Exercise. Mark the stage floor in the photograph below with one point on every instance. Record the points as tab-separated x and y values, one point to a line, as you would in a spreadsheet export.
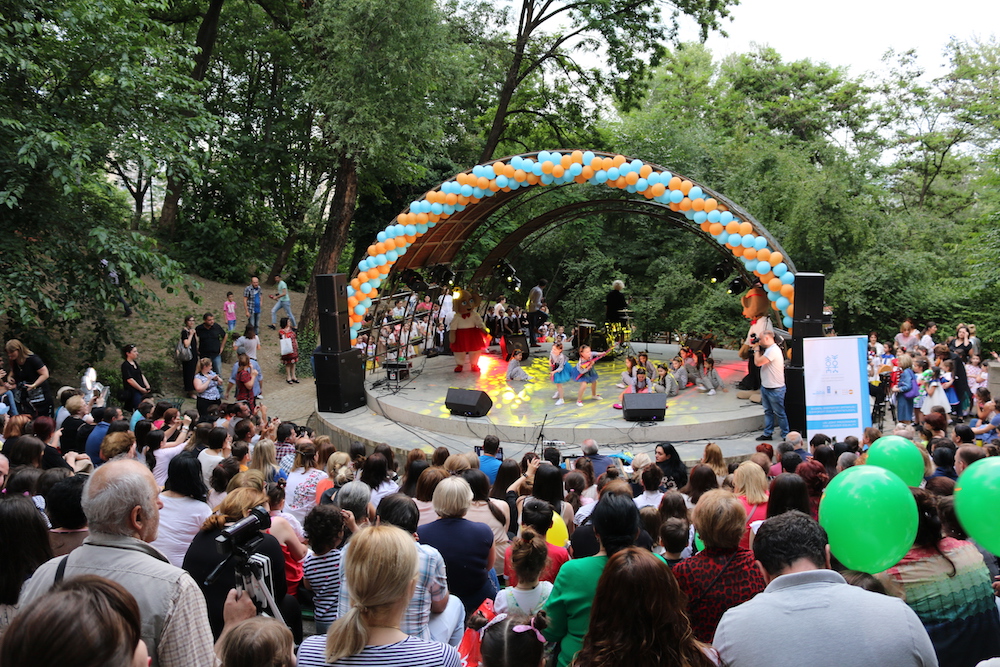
523	412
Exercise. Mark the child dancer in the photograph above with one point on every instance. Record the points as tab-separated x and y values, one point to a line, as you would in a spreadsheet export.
587	374
514	370
628	375
641	386
679	373
665	382
710	380
562	371
647	364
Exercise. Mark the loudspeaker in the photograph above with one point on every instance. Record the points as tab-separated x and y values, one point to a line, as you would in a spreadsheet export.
795	399
331	293
644	407
809	296
340	380
468	402
516	342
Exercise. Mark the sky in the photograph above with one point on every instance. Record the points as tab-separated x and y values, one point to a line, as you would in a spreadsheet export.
854	33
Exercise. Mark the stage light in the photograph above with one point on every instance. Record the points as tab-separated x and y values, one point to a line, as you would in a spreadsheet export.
720	272
414	281
735	285
504	272
516	284
442	275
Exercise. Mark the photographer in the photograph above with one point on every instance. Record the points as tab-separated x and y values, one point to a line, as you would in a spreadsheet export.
768	358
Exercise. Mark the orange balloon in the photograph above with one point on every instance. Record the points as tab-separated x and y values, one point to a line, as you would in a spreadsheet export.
520	175
483	183
352	301
577	157
390	244
597	163
494	187
460	179
648	193
355	283
621	183
385	268
787	290
565	161
658	190
587	173
763	254
509	171
775	259
372	250
774	305
380	247
451	199
618	160
715	229
422	218
766	278
645	170
581	179
749	253
685	204
373	294
434	218
686	186
371	274
675	183
737	251
411	238
745	228
711	204
732	227
774	284
674	206
791	311
533	179
608	163
698	204
705	226
558	170
547	167
498	167
631	178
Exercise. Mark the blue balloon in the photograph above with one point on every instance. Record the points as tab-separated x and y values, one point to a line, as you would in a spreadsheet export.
366	287
421	228
626	168
575	169
543	156
359	309
783	303
700	217
714	216
555	156
516	162
773	296
356	325
725	217
601	176
689	214
760	243
363	265
410	230
536	169
787	321
392	256
787	278
780	269
665	177
747	241
350	290
381	260
477	171
696	193
402	251
366	302
431	223
676	196
641	185
449	209
547	179
381	237
614	174
630	188
588	157
458	207
763	268
653	178
513	185
722	238
636	164
478	193
735	239
502	181
436	209
376	283
466	190
749	264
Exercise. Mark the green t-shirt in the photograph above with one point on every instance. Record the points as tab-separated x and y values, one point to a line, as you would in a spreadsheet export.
568	606
283	291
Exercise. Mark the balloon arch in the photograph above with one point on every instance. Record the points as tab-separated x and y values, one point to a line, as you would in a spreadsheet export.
467	196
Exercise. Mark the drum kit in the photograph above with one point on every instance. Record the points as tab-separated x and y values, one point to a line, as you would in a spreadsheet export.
614	336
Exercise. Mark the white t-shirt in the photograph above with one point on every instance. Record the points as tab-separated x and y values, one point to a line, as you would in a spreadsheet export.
513	599
772	374
163	456
208	462
180	521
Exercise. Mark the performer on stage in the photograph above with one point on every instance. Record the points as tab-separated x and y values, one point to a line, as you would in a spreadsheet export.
756	309
514	370
587	374
467	333
615	303
644	362
562	371
665	382
641	386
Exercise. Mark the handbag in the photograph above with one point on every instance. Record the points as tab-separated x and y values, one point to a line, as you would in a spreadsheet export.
182	352
286	346
914	386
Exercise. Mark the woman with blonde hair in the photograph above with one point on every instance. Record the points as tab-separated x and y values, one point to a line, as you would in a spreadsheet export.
265	460
337	462
382	568
750	486
713	459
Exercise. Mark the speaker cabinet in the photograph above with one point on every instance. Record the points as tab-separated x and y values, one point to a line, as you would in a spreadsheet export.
334	322
468	402
644	407
340	380
516	342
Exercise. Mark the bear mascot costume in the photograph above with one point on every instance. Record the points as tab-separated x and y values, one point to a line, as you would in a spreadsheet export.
467	334
755	308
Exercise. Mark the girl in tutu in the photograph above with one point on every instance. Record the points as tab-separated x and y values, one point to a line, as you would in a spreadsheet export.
562	371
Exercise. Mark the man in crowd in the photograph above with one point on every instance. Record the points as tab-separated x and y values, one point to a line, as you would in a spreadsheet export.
251	303
122	508
767	356
600	461
211	341
793	555
489	463
93	446
966	455
283	301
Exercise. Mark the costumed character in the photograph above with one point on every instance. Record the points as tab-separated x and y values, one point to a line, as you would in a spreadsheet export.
467	333
756	308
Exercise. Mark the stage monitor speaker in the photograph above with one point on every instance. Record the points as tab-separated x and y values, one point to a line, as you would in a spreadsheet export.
516	342
468	402
809	296
340	381
644	407
331	293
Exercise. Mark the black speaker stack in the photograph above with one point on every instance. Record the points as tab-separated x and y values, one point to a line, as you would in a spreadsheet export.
807	323
340	369
644	407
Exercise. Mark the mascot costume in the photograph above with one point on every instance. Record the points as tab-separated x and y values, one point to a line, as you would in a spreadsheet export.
755	308
468	335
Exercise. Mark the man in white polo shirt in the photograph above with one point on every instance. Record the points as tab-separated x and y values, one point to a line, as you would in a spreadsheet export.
767	356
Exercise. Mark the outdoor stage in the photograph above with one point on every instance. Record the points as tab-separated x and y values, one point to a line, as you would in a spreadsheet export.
414	415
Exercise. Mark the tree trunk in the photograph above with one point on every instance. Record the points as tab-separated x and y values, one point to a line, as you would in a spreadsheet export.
503	103
208	32
345	197
284	253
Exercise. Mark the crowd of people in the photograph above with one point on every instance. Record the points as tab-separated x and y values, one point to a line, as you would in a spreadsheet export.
439	558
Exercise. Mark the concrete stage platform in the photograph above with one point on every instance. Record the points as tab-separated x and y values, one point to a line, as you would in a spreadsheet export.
415	415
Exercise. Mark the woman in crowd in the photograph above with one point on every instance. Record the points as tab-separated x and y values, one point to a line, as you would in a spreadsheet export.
907	339
814	475
246	375
289	359
208	384
338	473
547	485
713	459
302	481
701	480
263	459
24	545
907	384
508	473
185	507
466	546
249	341
616	523
493	513
636	578
788	492
28	368
190	367
750	485
947	584
134	383
424	499
723	574
218	448
675	473
44	428
375	474
99	616
411	471
638	464
77	409
380	565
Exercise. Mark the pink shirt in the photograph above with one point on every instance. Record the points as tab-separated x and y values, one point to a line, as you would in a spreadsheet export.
229	308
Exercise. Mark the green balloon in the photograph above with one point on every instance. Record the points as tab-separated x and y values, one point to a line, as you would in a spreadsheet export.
870	517
977	493
896	453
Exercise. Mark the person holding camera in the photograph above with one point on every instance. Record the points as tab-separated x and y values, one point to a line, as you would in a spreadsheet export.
768	358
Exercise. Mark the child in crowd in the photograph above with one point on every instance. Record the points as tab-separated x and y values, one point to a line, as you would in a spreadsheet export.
587	374
512	640
641	386
935	394
514	370
923	375
562	371
710	380
674	536
229	309
257	642
322	568
628	375
665	382
948	384
529	556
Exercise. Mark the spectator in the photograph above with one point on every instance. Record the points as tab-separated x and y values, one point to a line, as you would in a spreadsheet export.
64	507
257	642
31	373
600	461
488	461
211	341
23	547
184	507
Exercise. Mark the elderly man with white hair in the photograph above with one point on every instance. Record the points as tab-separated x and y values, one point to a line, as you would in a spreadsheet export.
122	507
